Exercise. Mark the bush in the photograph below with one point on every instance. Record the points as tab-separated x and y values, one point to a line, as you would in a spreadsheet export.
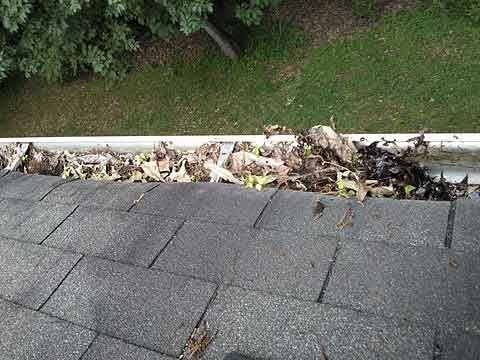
57	39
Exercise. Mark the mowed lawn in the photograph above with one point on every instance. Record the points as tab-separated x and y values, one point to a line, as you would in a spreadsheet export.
418	70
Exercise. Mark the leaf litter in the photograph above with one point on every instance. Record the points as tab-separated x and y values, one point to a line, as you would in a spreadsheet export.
319	160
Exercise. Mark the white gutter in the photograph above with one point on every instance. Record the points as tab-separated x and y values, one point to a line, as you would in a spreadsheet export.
468	142
438	143
444	142
140	143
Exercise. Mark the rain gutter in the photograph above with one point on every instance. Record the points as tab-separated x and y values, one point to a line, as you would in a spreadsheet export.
456	155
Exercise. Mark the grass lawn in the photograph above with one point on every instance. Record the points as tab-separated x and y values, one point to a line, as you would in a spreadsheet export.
417	70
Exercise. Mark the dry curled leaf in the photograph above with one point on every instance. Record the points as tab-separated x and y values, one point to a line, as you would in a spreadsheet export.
346	220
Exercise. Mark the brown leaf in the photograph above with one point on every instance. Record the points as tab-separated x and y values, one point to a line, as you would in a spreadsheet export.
346	220
452	264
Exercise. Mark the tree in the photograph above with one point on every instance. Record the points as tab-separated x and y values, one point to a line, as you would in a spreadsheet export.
60	38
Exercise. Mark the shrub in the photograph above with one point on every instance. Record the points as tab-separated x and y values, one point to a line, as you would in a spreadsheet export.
60	38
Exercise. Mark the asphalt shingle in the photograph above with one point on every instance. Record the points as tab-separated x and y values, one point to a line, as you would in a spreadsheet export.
31	221
297	212
277	262
17	185
433	286
145	307
205	250
285	264
30	273
29	335
104	194
407	222
222	203
105	347
466	229
466	347
116	235
270	327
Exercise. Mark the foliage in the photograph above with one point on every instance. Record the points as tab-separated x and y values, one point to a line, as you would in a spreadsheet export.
61	38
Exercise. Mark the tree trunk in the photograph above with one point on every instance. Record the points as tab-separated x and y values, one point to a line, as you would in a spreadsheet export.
226	44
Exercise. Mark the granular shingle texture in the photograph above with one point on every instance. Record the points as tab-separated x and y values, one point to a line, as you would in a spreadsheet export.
270	327
466	229
308	213
273	261
27	187
222	203
151	309
116	235
434	286
30	273
105	347
31	221
407	222
110	195
26	334
122	271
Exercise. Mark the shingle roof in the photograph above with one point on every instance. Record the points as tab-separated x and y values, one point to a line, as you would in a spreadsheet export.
127	271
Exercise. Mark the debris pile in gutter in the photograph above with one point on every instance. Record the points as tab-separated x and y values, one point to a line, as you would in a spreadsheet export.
320	160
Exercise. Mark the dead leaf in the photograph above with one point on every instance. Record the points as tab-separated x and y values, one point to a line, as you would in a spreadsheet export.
346	220
198	342
362	192
180	174
221	172
136	176
139	198
452	264
318	210
382	191
151	170
327	138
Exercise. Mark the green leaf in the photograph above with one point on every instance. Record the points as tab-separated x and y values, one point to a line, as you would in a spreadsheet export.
409	189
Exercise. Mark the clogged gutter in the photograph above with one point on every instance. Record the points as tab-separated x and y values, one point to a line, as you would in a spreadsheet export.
320	160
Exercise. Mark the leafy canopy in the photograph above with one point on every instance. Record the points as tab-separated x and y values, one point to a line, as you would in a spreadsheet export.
60	38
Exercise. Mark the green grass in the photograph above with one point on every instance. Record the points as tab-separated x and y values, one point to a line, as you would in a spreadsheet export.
416	71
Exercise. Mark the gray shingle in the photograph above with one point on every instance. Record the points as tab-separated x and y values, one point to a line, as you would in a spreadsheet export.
205	250
406	222
222	203
434	286
236	356
107	348
17	185
104	194
117	235
270	327
464	347
29	335
285	263
30	221
30	273
466	229
277	262
295	212
148	308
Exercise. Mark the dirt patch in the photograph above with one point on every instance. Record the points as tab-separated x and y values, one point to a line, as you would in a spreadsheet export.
322	20
330	19
162	52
